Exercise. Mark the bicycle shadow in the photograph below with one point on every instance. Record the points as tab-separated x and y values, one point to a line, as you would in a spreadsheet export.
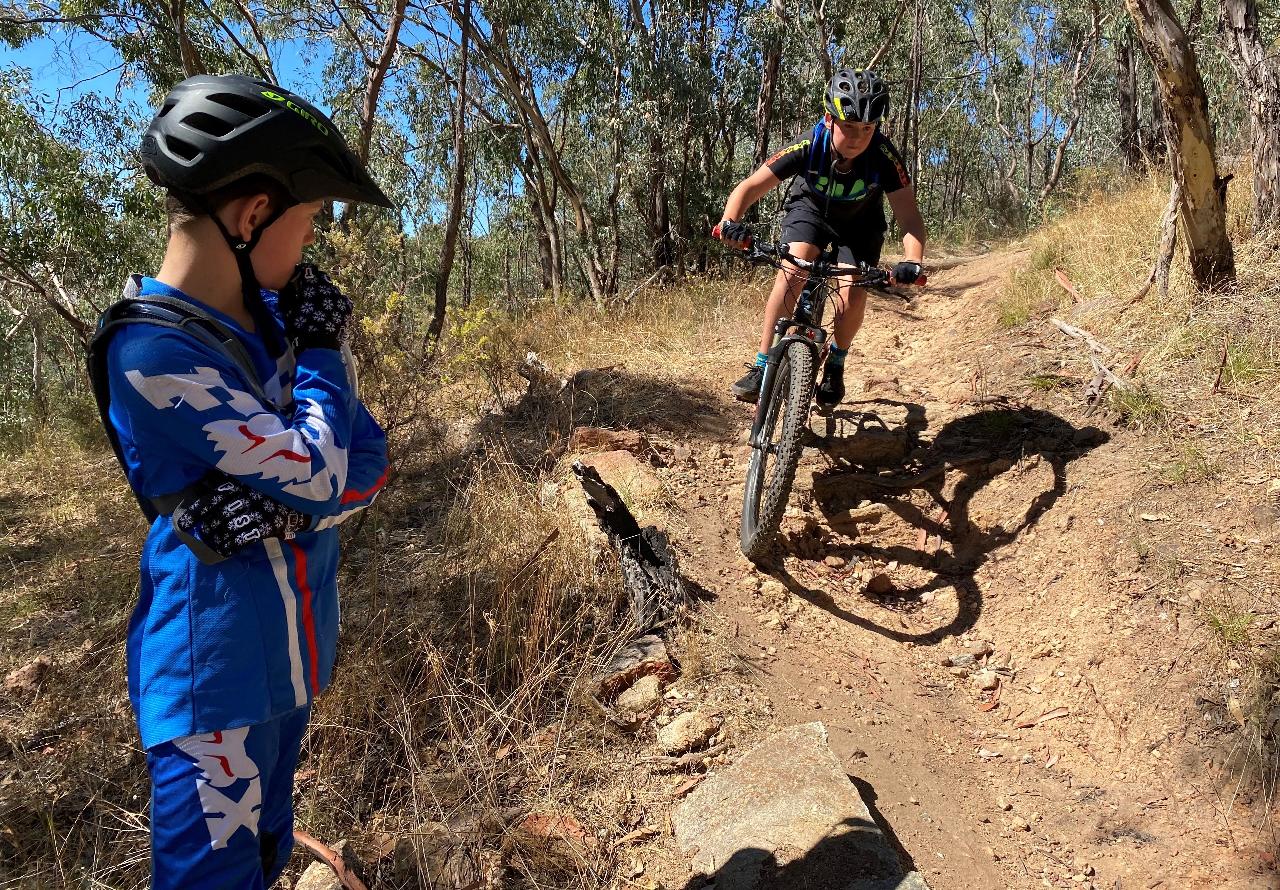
967	455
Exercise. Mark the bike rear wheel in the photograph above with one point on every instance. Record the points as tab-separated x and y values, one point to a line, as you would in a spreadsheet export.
772	469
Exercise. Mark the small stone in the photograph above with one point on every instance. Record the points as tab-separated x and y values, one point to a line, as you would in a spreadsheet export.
688	732
1017	823
318	876
979	648
1003	804
913	801
865	515
986	680
644	697
27	679
773	589
834	562
880	584
964	659
772	618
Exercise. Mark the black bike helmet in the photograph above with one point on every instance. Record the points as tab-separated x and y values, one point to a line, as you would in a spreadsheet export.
857	95
213	130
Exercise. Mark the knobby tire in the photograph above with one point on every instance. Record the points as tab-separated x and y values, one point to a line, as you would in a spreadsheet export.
768	488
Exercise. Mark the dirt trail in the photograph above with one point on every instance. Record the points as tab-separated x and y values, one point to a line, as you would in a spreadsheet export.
1024	541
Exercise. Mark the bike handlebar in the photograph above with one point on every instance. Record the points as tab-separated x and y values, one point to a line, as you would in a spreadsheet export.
872	276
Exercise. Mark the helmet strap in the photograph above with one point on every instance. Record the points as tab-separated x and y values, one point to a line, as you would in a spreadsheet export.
250	289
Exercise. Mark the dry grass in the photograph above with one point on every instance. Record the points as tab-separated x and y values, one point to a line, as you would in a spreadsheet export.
472	612
1207	392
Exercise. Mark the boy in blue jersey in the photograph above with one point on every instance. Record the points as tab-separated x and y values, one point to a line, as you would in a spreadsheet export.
247	466
843	173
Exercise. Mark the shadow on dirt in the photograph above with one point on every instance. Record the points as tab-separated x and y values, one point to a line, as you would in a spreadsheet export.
854	849
528	433
883	466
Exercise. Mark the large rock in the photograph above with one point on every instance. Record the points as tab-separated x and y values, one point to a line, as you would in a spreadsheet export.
645	657
645	697
635	481
594	438
786	816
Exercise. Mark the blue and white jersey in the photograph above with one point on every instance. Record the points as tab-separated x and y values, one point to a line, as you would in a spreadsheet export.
215	647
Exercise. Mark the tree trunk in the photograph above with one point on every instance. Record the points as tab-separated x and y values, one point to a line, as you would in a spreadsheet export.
377	76
457	188
768	85
1256	67
192	64
1154	140
1191	143
913	95
1127	91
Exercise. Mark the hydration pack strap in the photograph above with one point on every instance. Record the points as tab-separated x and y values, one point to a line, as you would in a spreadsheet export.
167	312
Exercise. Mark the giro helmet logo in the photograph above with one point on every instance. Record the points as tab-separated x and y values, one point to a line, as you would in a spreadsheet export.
297	109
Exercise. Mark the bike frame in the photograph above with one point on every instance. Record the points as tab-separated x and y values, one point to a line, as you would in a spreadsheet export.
812	336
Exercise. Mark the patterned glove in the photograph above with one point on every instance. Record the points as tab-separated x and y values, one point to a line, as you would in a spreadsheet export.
906	273
315	311
734	232
222	516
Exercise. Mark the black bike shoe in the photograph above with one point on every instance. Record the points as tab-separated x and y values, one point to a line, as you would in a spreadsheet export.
747	389
830	391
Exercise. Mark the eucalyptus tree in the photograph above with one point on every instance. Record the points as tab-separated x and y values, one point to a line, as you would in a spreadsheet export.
74	220
1192	149
1253	57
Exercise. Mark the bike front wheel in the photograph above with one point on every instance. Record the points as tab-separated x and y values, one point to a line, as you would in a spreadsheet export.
772	470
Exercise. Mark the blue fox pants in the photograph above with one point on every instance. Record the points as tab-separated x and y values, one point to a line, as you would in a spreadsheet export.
222	806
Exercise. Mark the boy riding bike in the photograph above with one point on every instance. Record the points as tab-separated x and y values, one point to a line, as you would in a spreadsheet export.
842	174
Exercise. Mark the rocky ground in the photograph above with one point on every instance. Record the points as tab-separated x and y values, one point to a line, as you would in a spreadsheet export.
975	596
996	639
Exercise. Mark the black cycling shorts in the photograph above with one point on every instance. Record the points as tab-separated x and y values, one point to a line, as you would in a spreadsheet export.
857	240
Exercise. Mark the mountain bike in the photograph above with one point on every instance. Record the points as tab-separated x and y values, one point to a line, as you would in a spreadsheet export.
786	390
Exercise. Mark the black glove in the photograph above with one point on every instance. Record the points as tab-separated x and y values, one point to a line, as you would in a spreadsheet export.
315	312
221	516
735	231
906	273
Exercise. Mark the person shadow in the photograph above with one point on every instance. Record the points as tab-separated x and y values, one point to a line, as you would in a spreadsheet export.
856	854
887	466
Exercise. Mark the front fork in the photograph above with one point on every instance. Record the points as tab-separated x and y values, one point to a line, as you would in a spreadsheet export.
813	337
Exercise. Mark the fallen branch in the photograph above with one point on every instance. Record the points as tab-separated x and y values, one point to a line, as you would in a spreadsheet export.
1066	284
330	858
1222	365
1159	275
693	758
648	281
1103	375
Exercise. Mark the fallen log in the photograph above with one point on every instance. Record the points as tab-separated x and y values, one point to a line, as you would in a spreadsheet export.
649	573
